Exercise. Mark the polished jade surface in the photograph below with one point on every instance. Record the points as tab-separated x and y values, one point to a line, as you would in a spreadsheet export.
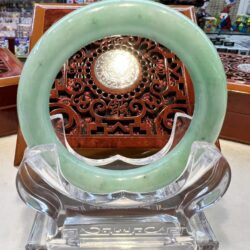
106	18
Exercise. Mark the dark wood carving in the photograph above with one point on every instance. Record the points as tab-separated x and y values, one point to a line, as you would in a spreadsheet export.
231	64
144	112
10	69
3	68
237	120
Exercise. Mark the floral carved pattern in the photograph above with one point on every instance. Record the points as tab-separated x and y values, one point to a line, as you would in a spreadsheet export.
145	110
231	64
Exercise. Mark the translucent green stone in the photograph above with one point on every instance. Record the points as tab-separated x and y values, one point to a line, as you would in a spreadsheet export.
106	18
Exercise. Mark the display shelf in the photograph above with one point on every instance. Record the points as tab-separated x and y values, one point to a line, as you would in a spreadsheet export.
231	33
10	70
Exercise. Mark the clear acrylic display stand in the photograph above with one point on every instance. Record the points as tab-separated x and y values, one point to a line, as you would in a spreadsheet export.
172	217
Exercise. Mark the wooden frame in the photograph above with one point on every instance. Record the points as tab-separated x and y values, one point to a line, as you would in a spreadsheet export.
237	120
10	70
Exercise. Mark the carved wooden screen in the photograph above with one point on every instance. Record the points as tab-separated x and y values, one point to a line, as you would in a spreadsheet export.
237	121
104	117
97	117
237	70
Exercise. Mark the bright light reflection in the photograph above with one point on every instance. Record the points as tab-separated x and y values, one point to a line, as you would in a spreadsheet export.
117	69
244	67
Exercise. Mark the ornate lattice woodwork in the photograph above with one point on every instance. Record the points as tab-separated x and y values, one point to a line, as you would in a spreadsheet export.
145	111
237	121
235	73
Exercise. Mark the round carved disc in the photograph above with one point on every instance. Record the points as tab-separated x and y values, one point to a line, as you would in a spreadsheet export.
117	69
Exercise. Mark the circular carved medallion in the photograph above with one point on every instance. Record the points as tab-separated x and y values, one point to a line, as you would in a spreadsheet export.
117	69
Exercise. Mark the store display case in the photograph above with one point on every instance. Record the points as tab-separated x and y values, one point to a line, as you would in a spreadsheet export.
10	70
237	121
15	26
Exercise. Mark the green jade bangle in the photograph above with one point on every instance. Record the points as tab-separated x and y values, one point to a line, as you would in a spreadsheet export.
140	18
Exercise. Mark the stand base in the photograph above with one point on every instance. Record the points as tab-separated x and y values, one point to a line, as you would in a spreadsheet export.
154	232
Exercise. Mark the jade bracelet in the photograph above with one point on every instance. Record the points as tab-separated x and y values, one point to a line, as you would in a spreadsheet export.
130	17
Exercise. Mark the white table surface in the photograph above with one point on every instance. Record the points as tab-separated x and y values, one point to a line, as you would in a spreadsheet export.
229	218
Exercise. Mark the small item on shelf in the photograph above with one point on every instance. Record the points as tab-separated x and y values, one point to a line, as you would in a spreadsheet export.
8	29
225	20
203	16
222	38
233	51
4	42
243	52
222	50
236	44
22	46
242	24
218	43
210	24
229	43
15	23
